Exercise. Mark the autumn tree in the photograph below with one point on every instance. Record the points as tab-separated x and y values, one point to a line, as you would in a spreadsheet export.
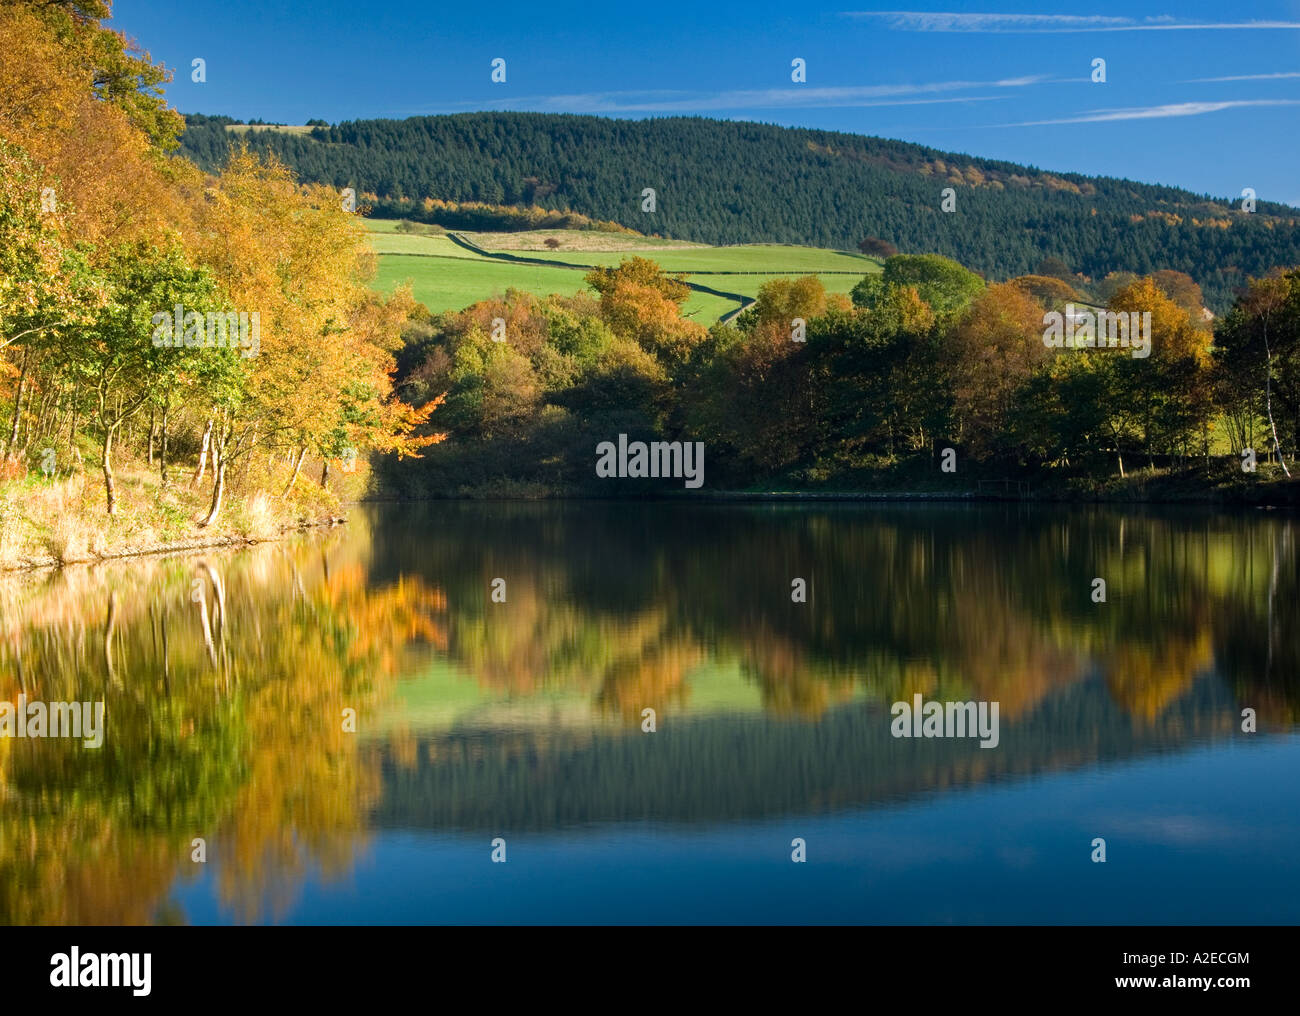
322	373
1051	293
640	302
46	284
1173	383
941	282
1257	352
1182	289
118	354
780	301
752	397
993	352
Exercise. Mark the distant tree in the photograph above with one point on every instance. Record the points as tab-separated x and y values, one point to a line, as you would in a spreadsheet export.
640	311
867	291
624	383
1049	291
783	300
638	301
1181	288
873	376
993	353
755	399
495	391
941	282
641	271
552	242
1112	284
875	247
1163	399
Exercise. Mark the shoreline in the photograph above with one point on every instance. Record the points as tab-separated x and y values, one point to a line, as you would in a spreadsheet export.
894	496
178	547
231	540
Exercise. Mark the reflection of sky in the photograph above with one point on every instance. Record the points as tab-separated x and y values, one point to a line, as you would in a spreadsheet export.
1202	837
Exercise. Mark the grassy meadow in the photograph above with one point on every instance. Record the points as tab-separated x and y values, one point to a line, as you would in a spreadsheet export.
447	276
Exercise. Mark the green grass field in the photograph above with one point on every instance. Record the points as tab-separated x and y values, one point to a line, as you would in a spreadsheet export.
446	276
382	225
769	258
406	243
534	241
453	283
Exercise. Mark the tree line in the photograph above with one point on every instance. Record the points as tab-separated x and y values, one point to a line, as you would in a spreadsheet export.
809	390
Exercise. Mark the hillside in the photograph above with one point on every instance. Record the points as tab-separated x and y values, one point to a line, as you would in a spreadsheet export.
733	182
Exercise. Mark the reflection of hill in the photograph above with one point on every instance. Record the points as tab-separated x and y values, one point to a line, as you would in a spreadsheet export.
618	602
719	769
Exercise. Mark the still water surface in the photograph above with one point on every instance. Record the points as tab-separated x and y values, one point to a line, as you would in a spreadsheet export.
226	679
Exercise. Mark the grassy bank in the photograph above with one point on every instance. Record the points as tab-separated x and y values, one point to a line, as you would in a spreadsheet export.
50	521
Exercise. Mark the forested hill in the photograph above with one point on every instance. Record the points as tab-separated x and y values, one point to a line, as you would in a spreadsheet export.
735	182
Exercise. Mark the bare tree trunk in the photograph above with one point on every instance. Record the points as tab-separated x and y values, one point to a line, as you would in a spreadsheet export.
153	430
110	625
37	428
218	490
203	453
18	403
166	655
162	456
218	483
1268	399
297	468
325	473
106	461
218	611
207	629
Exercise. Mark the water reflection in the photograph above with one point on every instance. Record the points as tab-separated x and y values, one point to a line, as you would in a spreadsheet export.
226	679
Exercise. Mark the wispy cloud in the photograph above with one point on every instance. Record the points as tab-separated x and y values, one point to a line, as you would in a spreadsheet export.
913	94
950	21
1173	109
1246	77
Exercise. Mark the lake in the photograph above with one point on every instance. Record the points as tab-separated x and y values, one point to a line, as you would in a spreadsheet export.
348	726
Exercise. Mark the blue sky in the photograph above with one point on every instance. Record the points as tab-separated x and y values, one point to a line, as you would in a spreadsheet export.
1199	95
